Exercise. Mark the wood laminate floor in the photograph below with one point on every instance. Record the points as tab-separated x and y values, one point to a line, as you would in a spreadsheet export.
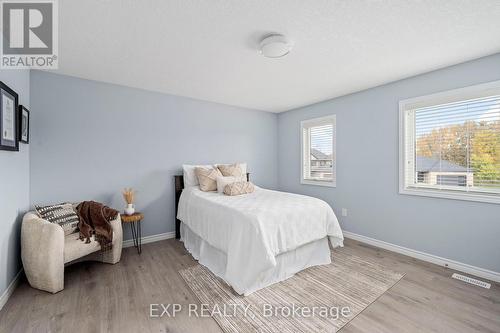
116	298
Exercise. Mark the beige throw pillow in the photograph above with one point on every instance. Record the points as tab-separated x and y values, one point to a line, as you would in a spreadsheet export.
231	170
239	188
223	181
207	178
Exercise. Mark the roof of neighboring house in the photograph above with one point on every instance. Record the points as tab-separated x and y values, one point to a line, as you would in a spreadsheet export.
319	155
427	164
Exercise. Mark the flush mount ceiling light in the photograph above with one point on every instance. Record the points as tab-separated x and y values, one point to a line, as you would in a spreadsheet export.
275	46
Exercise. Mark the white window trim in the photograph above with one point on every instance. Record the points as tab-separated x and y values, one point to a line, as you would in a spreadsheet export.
308	122
476	91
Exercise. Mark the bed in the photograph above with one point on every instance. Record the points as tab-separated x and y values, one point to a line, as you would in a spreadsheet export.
254	240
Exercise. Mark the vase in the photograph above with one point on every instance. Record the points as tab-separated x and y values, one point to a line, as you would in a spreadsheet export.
130	209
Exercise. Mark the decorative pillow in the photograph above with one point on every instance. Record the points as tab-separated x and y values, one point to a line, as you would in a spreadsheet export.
207	177
62	214
232	170
239	188
243	166
223	181
190	178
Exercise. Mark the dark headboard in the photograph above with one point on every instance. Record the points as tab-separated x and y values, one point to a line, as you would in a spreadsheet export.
179	186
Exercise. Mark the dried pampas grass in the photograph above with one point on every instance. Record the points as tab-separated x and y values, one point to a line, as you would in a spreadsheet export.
128	195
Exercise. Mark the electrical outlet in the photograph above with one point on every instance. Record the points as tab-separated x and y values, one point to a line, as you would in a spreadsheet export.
344	211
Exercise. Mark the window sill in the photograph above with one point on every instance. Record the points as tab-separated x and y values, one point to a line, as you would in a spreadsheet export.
426	192
318	183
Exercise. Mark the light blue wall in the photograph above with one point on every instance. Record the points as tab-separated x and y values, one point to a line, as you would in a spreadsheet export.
367	171
14	188
91	139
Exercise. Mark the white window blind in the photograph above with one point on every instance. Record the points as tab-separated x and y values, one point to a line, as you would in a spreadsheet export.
318	151
451	144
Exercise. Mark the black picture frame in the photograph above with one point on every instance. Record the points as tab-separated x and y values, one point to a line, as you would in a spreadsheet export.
24	124
5	143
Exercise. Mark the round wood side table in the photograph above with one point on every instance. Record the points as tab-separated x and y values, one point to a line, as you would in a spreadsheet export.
134	221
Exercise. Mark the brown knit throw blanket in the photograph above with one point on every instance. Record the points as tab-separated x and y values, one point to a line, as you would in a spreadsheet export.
95	219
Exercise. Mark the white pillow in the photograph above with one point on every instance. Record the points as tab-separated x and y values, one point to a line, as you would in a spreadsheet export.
223	181
190	178
243	167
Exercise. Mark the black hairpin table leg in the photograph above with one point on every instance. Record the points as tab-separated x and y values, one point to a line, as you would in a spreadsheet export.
134	234
139	239
134	221
135	227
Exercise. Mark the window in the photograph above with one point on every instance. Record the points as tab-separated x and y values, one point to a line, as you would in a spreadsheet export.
450	144
318	151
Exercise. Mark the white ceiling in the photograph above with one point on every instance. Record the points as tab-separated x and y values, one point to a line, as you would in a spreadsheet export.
208	49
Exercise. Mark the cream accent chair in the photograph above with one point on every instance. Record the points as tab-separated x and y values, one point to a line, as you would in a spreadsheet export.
45	251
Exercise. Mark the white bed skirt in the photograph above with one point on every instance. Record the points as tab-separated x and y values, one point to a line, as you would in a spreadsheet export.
287	264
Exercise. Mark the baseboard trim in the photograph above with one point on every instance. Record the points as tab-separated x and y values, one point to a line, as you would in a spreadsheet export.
150	239
10	289
456	265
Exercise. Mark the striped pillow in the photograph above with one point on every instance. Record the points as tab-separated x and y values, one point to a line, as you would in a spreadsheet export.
62	214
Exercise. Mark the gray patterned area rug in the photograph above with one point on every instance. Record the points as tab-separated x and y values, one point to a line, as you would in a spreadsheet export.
313	300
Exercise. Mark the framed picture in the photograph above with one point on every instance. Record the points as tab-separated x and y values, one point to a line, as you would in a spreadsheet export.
9	103
24	124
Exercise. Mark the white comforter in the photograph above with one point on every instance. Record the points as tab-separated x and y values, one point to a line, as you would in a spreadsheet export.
252	229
